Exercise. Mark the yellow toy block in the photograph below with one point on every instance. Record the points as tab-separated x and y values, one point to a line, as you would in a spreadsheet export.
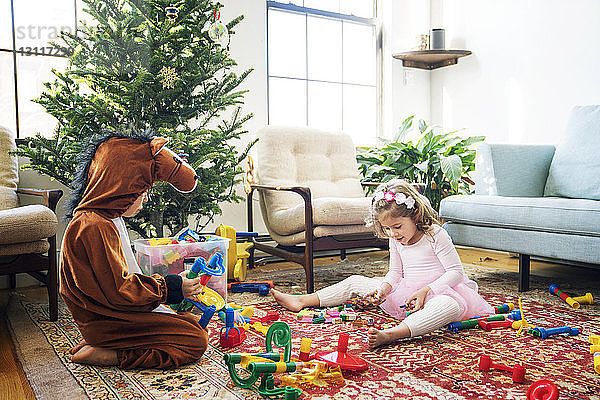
237	254
594	339
585	299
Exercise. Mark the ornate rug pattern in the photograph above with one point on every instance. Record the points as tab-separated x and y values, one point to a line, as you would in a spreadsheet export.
441	365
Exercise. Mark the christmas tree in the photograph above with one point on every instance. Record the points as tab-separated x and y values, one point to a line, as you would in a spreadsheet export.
150	64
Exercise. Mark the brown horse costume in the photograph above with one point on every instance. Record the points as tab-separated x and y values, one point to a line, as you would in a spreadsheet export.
111	305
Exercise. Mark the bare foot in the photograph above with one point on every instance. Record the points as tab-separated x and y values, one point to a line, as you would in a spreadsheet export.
78	346
380	337
95	356
294	302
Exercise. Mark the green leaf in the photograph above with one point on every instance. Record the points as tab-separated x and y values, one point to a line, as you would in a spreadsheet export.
403	129
452	169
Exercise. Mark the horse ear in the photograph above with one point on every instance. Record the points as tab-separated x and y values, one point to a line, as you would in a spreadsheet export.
157	144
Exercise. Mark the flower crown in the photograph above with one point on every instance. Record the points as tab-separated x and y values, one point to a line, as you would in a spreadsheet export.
399	198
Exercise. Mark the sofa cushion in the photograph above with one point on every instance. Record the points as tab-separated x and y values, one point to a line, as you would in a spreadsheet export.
9	171
546	214
37	247
27	224
575	168
326	211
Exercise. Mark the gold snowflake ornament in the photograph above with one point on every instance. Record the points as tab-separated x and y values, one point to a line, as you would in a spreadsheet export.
168	77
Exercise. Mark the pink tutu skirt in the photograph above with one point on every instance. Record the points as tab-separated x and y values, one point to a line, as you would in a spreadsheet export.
465	293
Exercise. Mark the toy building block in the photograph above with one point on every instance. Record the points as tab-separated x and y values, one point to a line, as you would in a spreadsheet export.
585	299
489	325
159	241
341	358
305	349
269	317
206	316
243	287
268	282
191	236
230	335
594	339
543	389
546	333
518	371
597	362
504	308
170	257
554	289
237	254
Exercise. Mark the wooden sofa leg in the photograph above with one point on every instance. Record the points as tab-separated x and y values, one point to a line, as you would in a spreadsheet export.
524	264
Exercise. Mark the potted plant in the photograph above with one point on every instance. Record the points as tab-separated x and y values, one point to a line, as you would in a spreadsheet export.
442	161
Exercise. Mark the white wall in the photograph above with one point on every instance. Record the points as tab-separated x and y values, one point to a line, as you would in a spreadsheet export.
532	61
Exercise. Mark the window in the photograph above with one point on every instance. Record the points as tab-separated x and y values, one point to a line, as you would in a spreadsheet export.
26	59
322	65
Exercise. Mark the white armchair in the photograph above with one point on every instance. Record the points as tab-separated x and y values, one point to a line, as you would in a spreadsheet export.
310	194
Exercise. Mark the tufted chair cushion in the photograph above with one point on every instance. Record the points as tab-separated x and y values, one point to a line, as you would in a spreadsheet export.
9	170
323	161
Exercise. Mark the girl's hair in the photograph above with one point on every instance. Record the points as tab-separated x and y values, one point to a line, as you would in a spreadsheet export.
385	202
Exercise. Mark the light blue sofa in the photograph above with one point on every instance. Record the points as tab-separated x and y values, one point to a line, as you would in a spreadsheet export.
535	200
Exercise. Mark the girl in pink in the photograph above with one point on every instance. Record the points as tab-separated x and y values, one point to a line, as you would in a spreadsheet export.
425	275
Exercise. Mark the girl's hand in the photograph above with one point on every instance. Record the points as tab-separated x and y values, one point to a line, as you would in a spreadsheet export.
417	300
378	296
190	287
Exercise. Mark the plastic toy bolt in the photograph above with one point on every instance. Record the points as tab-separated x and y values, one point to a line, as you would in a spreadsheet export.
585	299
554	289
542	390
489	325
546	333
518	371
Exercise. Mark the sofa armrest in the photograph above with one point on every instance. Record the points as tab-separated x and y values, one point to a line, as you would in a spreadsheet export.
512	170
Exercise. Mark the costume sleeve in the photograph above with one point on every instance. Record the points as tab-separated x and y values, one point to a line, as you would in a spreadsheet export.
446	252
112	285
395	272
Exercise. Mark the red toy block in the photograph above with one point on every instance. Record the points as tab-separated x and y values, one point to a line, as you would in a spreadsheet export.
518	371
271	316
489	325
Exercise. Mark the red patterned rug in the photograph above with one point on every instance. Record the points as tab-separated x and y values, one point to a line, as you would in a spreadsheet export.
441	365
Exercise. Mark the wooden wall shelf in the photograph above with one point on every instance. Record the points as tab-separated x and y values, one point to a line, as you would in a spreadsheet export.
430	59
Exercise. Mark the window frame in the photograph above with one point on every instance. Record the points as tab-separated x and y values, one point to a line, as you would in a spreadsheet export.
307	11
14	52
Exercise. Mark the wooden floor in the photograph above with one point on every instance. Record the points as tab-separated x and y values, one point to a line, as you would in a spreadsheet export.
14	384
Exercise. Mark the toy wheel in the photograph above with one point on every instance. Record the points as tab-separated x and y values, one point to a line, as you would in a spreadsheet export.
542	390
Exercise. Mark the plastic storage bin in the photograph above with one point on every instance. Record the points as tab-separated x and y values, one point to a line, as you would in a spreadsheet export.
175	258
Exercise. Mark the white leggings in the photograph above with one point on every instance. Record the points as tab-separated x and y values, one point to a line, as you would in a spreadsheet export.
437	312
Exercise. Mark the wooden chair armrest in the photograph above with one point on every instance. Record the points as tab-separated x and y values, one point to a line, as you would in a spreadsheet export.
371	184
51	196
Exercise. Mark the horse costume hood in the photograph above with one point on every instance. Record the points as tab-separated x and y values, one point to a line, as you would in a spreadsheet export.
116	170
111	301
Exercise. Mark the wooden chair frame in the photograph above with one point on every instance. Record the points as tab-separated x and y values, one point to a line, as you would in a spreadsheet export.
33	264
312	244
